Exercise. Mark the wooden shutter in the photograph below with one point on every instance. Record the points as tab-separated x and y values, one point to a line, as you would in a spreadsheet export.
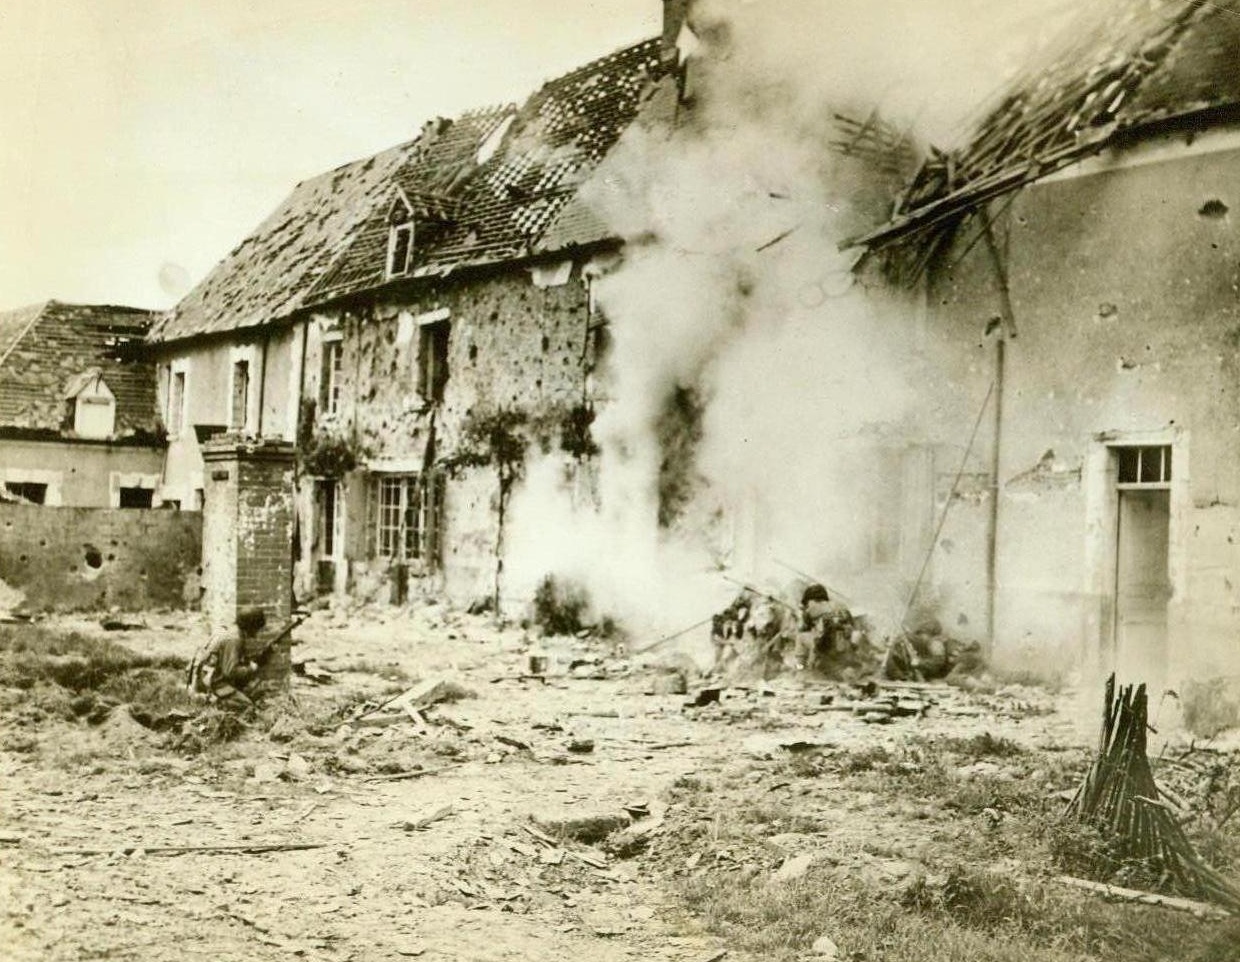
434	517
359	521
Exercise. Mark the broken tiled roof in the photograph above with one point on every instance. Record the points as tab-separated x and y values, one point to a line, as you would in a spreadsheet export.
431	177
268	274
484	187
1128	64
46	348
508	197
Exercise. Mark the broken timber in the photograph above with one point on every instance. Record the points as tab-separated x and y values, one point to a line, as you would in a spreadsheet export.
1202	910
1116	798
255	848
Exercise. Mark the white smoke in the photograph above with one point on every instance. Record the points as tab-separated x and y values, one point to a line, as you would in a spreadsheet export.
732	285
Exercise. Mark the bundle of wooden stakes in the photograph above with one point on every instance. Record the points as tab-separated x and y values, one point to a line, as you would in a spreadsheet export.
1120	798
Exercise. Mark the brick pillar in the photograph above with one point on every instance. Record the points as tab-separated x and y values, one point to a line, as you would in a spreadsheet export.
247	540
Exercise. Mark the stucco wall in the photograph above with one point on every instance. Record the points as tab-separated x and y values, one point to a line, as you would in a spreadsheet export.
208	382
81	474
1124	286
89	559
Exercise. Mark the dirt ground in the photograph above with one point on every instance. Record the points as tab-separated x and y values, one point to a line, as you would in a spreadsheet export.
443	866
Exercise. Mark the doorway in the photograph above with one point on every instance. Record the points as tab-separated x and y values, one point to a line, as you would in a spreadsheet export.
1142	572
328	534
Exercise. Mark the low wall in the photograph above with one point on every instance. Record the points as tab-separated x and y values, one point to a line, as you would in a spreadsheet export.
85	559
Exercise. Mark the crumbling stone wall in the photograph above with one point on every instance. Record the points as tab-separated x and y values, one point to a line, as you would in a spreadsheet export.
512	346
93	559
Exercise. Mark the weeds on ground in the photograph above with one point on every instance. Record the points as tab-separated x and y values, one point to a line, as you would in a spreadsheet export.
70	677
954	906
30	654
959	913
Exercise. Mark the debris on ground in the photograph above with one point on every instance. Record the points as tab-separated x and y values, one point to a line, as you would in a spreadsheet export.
762	633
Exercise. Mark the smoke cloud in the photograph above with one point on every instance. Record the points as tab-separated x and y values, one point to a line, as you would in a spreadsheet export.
755	389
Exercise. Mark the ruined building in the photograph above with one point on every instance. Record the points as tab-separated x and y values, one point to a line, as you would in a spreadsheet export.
1080	260
413	322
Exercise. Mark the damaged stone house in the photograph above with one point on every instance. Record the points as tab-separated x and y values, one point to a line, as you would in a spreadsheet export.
1080	260
413	322
78	422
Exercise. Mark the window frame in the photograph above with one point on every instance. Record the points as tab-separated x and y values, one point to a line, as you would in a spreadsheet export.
240	366
408	517
332	369
1162	476
400	248
178	391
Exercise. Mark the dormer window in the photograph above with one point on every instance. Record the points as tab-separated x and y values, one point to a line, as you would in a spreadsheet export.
400	238
92	405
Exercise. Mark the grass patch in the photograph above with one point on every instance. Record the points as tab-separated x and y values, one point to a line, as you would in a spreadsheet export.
963	913
71	677
31	654
975	818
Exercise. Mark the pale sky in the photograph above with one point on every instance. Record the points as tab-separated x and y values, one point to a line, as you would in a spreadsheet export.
148	137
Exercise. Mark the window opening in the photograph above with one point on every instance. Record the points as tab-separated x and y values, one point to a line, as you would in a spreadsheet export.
408	517
176	403
136	497
331	519
400	246
29	491
240	395
433	360
333	365
1143	465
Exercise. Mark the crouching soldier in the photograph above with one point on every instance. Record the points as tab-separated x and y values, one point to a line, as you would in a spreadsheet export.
826	628
728	629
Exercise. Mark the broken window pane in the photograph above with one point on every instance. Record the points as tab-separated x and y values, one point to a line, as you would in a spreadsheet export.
408	517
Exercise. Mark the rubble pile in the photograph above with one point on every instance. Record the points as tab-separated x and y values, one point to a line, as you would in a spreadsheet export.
762	634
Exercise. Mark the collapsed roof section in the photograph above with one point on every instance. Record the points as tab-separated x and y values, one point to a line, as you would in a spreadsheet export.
509	190
483	188
47	353
267	275
1123	68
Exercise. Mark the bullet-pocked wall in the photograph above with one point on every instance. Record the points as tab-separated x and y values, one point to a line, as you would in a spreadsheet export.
94	559
1124	276
434	359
